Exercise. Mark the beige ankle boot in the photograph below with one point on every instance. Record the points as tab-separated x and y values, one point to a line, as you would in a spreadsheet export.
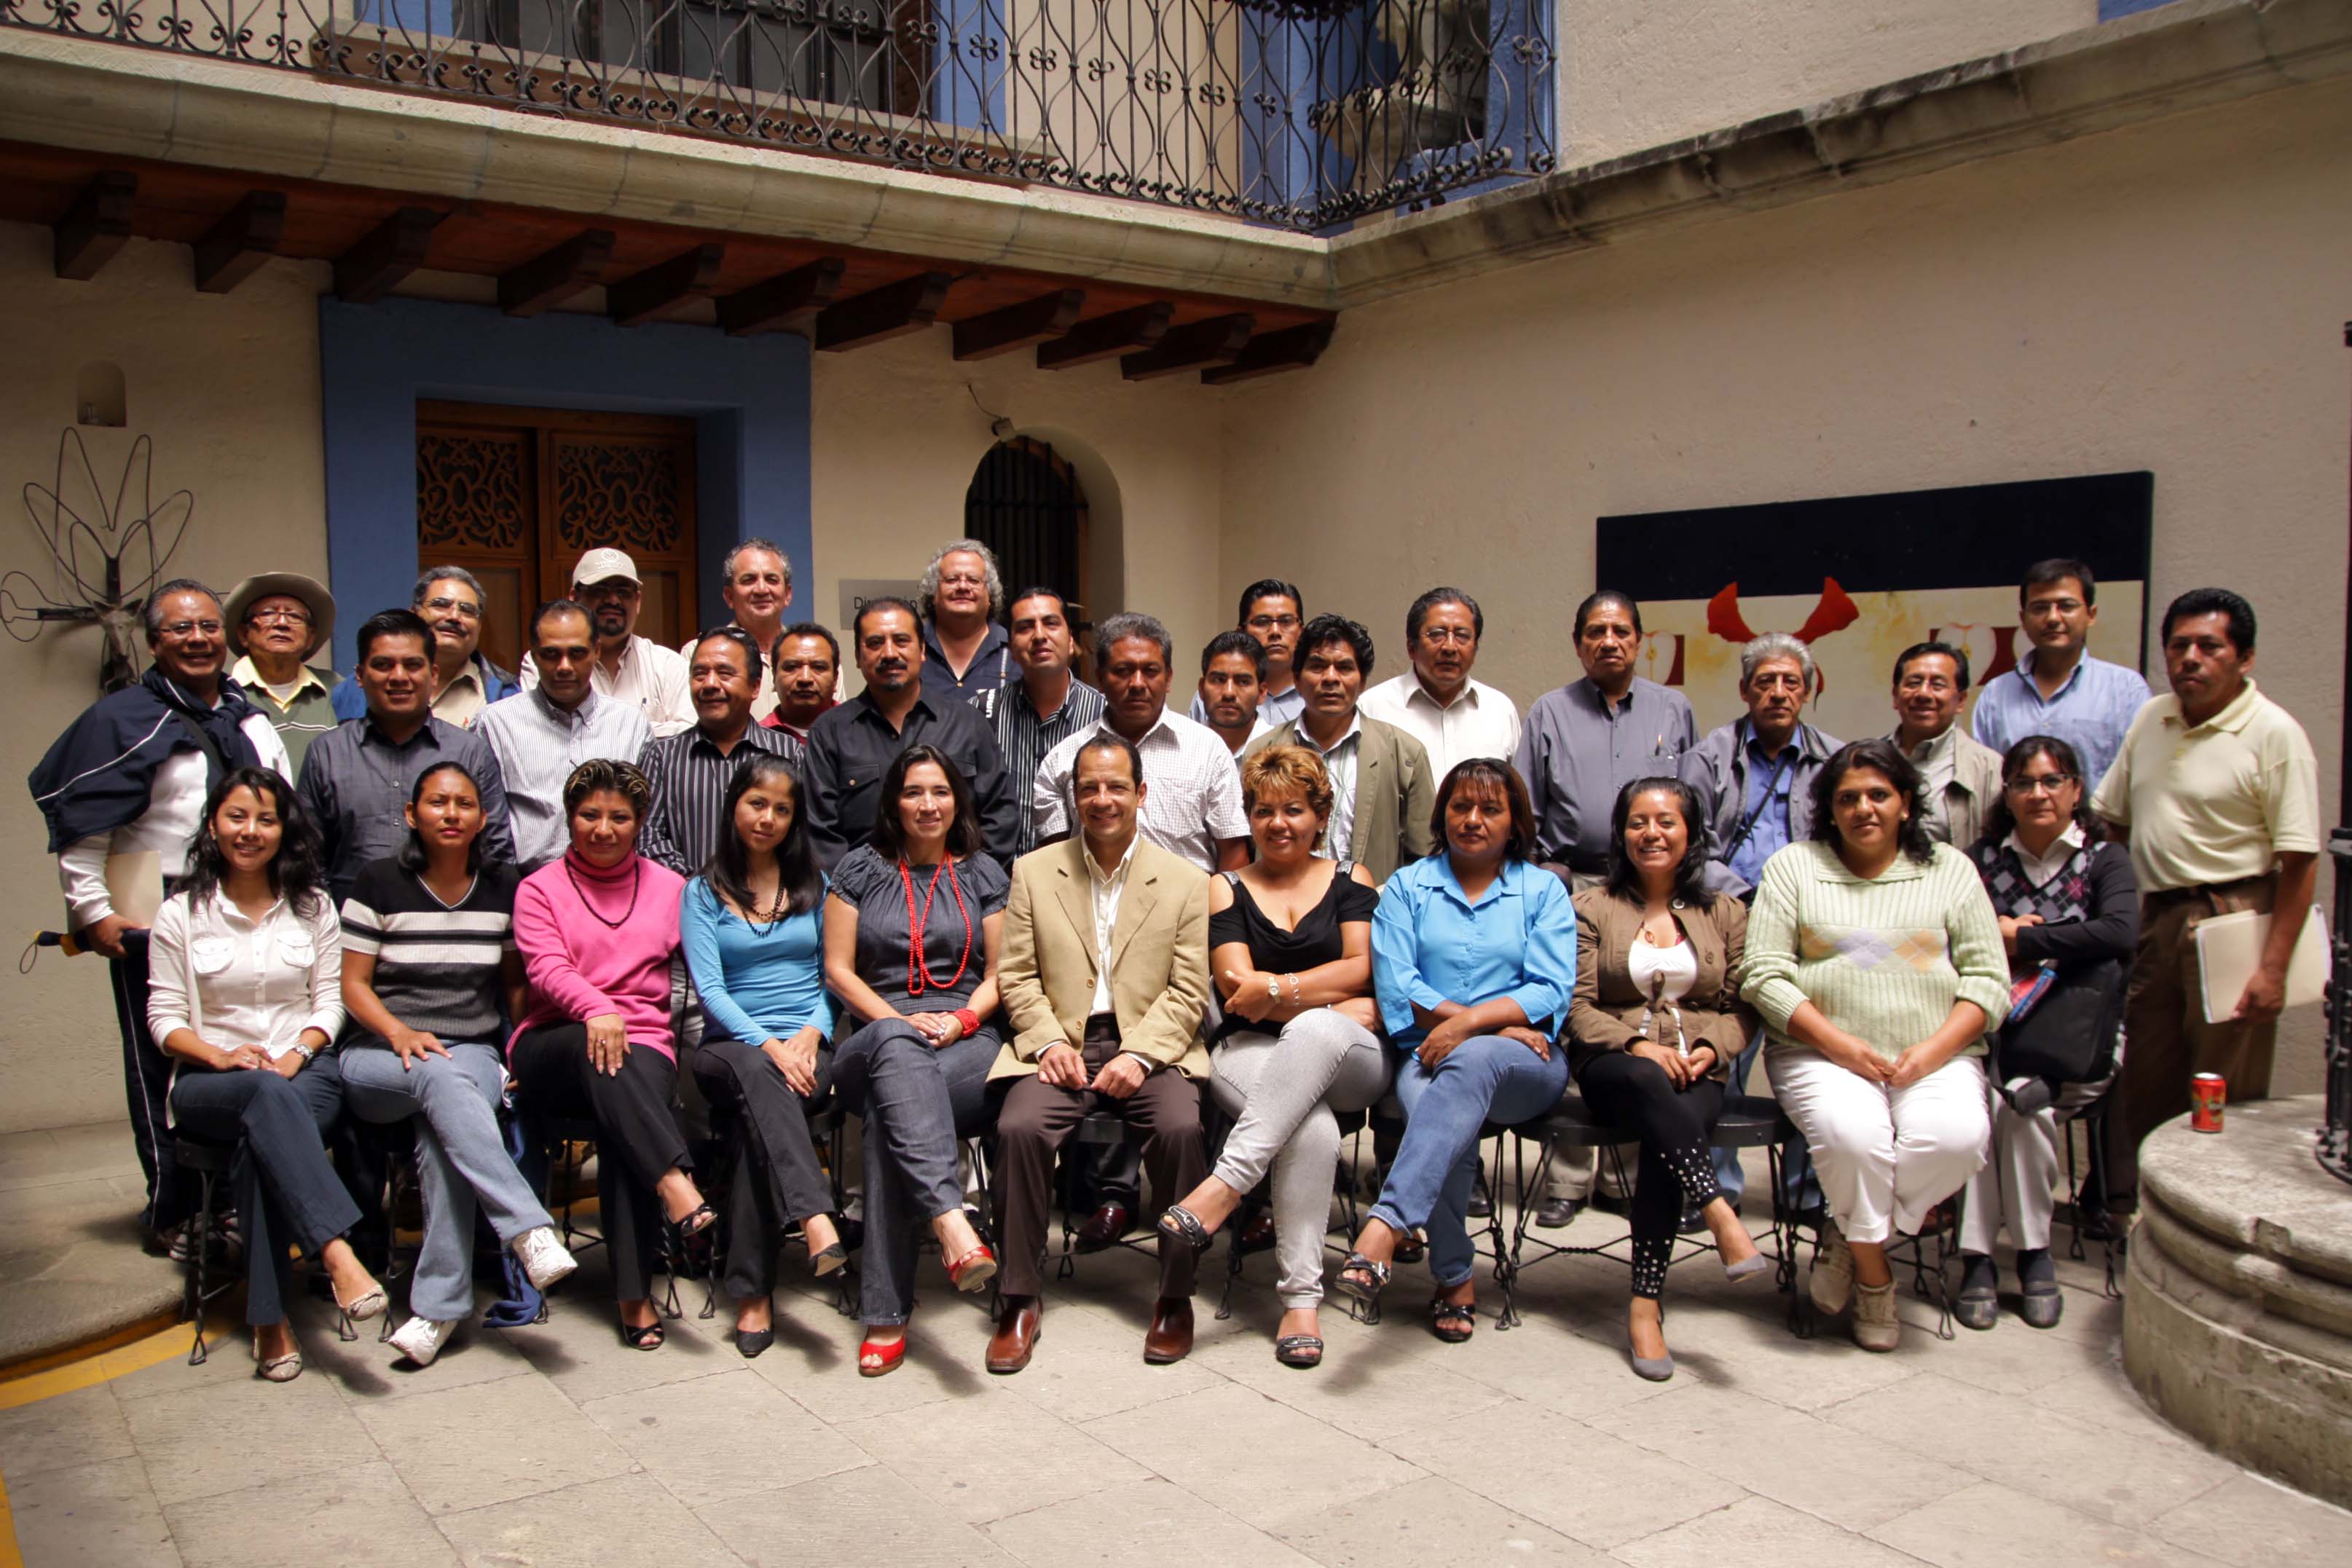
1875	1327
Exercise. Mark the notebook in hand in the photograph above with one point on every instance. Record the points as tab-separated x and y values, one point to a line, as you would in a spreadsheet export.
2229	947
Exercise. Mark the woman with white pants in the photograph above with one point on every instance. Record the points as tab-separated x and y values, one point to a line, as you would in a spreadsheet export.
1875	958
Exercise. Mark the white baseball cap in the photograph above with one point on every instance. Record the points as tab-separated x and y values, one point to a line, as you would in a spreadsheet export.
603	566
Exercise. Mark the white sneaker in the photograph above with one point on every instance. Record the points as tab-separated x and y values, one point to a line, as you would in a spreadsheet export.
1832	1280
1876	1326
420	1339
545	1260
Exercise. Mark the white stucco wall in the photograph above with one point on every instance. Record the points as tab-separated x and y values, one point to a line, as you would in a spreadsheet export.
228	387
2171	298
1636	73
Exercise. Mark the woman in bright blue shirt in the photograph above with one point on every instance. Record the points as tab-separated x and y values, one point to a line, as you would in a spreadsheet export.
751	925
1474	959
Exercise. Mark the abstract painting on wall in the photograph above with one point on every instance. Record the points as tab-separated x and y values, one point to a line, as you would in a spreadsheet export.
1860	577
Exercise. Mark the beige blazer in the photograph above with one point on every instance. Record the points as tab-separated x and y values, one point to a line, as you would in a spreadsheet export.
1394	794
1606	1009
1159	958
1975	785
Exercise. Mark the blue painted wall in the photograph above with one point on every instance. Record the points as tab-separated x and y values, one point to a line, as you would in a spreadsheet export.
749	397
2111	9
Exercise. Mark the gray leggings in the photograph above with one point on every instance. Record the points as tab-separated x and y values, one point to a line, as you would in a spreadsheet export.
460	1156
1284	1090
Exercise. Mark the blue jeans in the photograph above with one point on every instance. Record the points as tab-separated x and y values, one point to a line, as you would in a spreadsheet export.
1485	1079
1801	1189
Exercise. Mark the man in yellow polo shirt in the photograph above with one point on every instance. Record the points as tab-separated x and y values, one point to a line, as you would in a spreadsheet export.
2217	793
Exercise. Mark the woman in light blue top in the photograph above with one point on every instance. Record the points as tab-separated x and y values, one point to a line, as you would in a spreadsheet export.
751	925
1474	959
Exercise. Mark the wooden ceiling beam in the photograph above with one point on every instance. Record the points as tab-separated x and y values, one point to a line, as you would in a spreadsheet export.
556	274
664	289
877	315
788	302
390	251
1116	333
1271	354
233	249
1217	340
1018	326
96	227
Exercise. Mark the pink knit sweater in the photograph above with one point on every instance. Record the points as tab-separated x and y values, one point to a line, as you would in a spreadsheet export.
581	966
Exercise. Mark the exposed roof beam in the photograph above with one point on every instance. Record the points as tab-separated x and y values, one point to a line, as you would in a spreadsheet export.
96	225
1018	326
556	274
665	288
878	314
1271	354
234	248
391	250
1105	336
788	302
1217	340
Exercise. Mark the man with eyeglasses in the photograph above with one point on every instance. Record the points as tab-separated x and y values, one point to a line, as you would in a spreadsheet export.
124	791
2058	689
1435	701
966	654
1959	776
275	622
1272	611
465	680
756	584
629	669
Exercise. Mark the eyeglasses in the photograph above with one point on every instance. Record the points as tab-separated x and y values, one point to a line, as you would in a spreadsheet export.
1272	623
281	617
189	629
962	580
465	608
2042	783
1438	636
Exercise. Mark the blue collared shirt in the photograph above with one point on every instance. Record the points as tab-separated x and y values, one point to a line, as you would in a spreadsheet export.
1432	944
2090	713
1770	833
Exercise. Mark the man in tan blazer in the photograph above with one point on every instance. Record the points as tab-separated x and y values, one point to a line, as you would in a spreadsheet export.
1105	980
1959	776
1380	773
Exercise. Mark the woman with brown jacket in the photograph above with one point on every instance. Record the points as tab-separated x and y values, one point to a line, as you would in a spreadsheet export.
1655	1024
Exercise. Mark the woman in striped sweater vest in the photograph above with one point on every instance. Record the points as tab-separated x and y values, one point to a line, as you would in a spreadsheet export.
1875	958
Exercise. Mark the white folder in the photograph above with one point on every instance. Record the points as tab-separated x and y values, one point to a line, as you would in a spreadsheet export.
2230	948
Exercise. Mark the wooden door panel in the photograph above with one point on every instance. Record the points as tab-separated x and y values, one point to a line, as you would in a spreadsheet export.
635	492
476	508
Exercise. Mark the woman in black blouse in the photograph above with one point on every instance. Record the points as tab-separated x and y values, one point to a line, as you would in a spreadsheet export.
913	923
1290	938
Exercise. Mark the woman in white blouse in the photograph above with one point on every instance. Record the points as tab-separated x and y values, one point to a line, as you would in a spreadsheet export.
245	994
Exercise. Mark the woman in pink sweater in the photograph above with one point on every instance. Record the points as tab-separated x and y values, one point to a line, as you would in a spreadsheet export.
597	930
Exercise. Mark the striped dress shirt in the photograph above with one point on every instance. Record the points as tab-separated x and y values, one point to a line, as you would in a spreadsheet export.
689	774
1025	736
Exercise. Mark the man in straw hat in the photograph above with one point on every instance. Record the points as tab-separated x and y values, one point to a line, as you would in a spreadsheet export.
276	622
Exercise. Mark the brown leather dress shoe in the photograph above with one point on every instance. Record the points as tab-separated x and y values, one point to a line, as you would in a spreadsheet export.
1018	1324
1170	1338
1103	1228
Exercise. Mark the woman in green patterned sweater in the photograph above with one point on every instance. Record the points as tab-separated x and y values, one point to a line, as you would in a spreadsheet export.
1876	960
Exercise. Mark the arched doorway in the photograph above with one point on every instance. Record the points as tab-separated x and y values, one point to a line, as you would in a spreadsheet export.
1026	505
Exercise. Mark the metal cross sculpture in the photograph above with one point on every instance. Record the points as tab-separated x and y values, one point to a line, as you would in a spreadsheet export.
104	570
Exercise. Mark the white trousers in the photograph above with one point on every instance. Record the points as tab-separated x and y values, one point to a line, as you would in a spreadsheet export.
1885	1155
2016	1185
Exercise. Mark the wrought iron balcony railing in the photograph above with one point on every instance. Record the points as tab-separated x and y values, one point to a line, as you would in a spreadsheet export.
1305	113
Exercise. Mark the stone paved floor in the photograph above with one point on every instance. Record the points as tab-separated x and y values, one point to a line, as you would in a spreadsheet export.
555	1446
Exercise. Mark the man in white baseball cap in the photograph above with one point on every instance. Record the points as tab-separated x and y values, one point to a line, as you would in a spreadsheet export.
276	622
629	668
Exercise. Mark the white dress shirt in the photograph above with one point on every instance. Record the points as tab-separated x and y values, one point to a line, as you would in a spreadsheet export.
539	744
1192	788
2040	868
1108	887
1479	722
652	679
1339	762
238	981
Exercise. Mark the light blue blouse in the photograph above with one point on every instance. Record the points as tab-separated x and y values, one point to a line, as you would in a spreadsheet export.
755	985
1430	944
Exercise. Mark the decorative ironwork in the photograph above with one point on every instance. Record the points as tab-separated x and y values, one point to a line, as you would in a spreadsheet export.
2334	1147
103	569
469	491
1303	113
617	492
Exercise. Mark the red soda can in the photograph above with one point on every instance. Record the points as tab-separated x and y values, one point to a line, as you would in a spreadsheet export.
2207	1093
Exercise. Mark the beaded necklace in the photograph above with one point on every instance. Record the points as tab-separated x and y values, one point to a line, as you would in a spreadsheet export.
636	881
918	967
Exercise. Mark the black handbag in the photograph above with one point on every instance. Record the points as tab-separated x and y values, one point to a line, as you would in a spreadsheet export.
2069	1036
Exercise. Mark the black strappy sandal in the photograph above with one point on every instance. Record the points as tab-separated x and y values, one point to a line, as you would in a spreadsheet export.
1299	1350
698	1218
1353	1276
1179	1223
648	1336
1443	1312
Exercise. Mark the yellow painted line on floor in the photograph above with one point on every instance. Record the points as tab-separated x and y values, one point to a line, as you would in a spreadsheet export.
87	1370
10	1557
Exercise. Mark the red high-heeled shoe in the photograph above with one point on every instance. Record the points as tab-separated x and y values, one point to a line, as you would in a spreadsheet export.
973	1270
890	1355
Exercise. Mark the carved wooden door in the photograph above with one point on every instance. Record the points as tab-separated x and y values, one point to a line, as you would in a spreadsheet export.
515	495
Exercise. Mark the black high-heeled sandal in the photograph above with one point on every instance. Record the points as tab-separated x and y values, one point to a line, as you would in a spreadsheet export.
1362	1280
830	1260
1443	1313
1299	1350
698	1218
1179	1223
643	1336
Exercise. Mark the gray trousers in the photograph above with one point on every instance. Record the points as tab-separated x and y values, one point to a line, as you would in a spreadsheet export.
460	1157
1283	1091
917	1101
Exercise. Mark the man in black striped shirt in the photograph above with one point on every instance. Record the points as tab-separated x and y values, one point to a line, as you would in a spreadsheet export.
1046	706
690	770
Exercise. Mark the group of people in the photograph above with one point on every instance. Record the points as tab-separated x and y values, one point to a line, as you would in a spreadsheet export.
983	901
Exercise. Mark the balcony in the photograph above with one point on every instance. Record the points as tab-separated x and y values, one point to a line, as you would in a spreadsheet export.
1300	114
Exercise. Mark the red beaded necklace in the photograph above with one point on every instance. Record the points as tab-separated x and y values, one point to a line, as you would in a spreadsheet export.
919	968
